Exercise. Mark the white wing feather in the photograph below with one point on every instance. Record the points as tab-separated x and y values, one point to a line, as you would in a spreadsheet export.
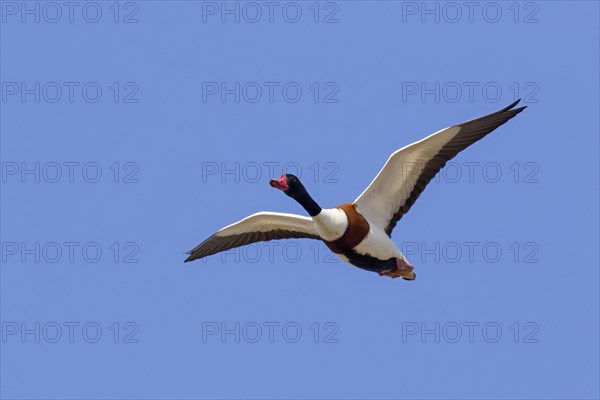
393	184
259	227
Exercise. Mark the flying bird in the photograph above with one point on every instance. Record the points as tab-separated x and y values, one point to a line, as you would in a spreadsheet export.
360	232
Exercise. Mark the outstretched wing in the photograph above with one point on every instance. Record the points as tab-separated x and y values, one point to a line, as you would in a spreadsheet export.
408	171
259	227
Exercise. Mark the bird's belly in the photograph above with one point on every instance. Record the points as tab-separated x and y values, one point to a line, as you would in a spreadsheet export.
376	252
378	244
367	262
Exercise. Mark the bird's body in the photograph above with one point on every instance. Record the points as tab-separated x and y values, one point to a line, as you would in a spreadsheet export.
331	223
359	232
361	243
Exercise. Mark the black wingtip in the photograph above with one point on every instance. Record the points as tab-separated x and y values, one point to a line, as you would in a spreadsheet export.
515	111
190	257
511	106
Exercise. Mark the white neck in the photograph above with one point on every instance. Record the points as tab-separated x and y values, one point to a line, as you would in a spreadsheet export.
331	223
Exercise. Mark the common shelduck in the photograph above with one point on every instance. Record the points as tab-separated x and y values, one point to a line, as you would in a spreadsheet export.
359	232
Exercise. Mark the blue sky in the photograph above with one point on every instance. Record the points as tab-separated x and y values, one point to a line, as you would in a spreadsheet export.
130	133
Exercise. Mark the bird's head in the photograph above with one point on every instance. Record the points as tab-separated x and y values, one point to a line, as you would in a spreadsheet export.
289	184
